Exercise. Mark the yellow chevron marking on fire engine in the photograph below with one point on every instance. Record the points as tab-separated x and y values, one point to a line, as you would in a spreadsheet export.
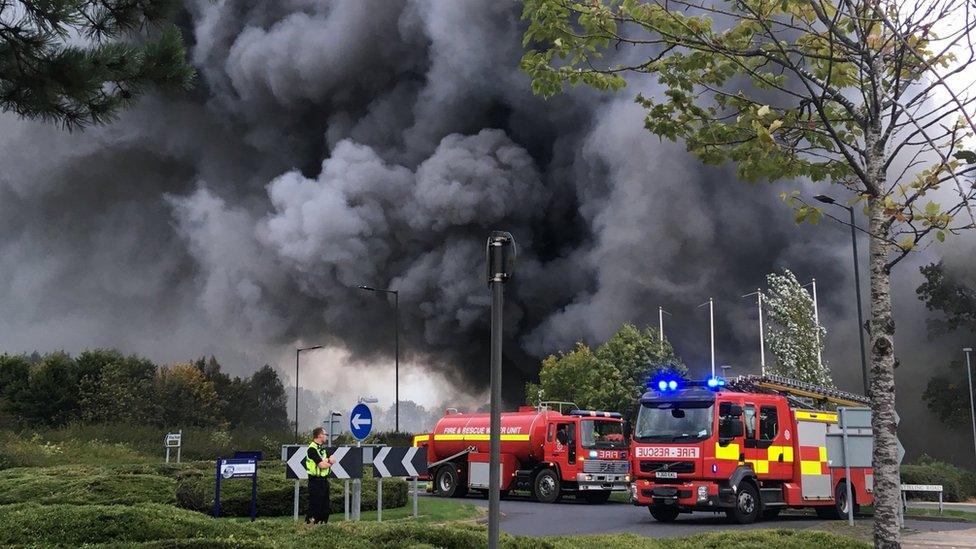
785	451
730	451
826	417
810	468
481	437
823	454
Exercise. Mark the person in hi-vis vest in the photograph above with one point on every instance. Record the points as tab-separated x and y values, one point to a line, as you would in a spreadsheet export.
317	463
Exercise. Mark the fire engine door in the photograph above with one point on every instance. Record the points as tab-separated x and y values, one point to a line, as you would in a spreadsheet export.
764	450
564	449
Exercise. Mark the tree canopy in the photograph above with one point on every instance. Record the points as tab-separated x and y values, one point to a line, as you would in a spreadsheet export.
78	62
610	378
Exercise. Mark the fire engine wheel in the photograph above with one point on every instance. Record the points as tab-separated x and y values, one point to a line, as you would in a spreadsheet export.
664	513
446	483
546	487
747	504
596	497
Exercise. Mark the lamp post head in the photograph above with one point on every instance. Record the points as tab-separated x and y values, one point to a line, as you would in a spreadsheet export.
825	199
367	288
967	349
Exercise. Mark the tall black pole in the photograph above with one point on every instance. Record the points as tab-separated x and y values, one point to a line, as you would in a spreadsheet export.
500	259
297	351
396	338
857	293
494	477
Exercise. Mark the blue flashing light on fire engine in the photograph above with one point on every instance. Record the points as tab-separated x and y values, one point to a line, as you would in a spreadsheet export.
714	383
672	385
667	384
662	385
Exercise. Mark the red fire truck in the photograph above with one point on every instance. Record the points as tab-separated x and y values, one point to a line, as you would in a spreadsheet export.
749	448
543	450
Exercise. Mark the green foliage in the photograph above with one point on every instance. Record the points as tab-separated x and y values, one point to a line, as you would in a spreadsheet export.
115	444
609	379
79	63
103	385
956	300
958	484
84	485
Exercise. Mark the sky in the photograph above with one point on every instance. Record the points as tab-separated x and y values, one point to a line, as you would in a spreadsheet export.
328	145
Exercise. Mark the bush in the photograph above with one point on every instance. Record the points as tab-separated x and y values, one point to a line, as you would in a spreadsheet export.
74	525
195	491
957	484
80	485
35	450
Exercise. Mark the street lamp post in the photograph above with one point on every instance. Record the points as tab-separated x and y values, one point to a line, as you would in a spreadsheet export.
762	339
857	287
660	325
711	328
396	345
972	406
297	353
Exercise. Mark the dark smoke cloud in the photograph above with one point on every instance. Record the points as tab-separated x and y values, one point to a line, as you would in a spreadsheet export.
333	144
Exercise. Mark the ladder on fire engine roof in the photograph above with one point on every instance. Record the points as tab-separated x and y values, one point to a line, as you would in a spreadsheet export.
795	388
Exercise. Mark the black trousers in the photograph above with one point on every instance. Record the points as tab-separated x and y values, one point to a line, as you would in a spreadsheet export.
318	499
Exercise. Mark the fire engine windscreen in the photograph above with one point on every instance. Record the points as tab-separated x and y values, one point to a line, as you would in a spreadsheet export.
673	422
602	434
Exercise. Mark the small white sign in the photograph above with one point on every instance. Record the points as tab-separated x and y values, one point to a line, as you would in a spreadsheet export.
690	452
666	474
173	440
921	487
238	469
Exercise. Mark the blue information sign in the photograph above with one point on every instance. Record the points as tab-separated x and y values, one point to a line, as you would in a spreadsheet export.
237	468
360	421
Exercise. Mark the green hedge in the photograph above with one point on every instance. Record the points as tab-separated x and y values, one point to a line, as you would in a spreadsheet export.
957	484
80	485
74	525
195	491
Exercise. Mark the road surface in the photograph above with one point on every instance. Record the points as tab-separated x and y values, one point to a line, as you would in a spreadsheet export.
523	516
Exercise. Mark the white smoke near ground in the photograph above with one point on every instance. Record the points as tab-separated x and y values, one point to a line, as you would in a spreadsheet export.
329	145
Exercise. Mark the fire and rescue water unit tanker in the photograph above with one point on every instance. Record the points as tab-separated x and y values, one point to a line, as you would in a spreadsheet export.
748	448
543	450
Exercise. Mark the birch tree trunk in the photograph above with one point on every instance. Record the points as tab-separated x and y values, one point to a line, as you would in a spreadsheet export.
887	489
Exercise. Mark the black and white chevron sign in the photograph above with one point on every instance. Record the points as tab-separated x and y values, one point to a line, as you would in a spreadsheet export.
349	464
400	462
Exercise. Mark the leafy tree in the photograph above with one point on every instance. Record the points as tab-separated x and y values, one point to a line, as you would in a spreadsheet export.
184	397
793	331
957	301
640	355
51	397
579	376
861	94
114	388
14	383
77	62
267	400
612	377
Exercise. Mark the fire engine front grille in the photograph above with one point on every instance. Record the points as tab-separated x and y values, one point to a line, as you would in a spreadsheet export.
604	466
647	466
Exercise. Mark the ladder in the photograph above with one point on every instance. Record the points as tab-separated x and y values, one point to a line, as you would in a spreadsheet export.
779	384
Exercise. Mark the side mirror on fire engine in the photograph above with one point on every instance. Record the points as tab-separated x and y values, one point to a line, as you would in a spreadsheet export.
561	437
727	409
729	429
628	430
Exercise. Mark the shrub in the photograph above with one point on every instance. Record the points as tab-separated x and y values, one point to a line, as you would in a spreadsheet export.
74	525
83	485
957	484
195	491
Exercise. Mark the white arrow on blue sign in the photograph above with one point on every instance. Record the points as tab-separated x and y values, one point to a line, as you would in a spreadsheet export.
360	421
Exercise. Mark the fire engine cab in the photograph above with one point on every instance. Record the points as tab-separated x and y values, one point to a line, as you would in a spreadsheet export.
749	448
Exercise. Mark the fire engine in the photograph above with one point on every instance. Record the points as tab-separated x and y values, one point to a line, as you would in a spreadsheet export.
749	448
543	450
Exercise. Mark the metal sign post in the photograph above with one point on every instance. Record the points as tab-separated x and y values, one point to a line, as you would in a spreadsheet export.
379	499
173	440
500	262
360	424
237	468
416	487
